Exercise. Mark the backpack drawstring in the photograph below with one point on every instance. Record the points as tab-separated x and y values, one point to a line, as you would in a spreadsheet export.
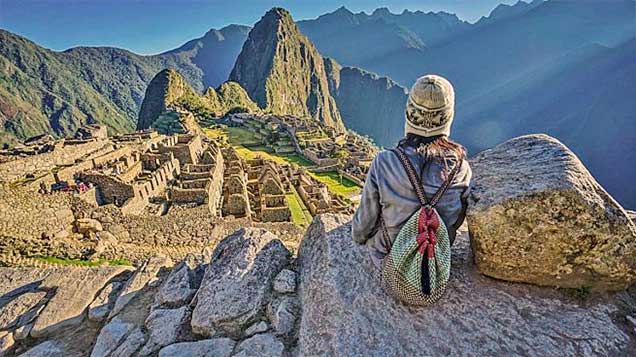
427	226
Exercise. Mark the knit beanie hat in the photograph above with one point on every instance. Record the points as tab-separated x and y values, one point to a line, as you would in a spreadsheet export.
431	107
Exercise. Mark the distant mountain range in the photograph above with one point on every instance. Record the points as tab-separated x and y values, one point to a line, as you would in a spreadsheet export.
56	92
561	67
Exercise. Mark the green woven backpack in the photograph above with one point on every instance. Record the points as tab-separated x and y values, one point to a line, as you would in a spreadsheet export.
417	267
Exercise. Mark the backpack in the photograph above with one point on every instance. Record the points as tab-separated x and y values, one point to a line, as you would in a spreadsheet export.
417	267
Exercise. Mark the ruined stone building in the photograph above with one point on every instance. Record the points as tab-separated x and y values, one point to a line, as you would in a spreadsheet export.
269	184
130	176
202	182
91	131
236	200
317	197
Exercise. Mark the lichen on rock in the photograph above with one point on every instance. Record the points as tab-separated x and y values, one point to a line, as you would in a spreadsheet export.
536	215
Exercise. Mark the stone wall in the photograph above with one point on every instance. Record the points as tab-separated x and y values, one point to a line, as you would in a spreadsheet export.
105	155
275	214
313	156
42	164
111	189
131	172
189	195
187	148
352	178
24	213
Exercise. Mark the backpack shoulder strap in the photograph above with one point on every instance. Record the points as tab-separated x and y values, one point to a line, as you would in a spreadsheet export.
414	178
416	182
440	192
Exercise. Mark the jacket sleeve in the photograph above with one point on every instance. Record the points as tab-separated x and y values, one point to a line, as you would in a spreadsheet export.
466	181
365	220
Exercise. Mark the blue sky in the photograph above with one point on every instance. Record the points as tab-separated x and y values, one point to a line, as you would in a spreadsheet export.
153	26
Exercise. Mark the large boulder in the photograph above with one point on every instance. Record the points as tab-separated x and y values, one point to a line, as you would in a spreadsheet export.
147	274
345	311
264	344
536	215
238	282
111	336
72	290
21	310
164	327
218	347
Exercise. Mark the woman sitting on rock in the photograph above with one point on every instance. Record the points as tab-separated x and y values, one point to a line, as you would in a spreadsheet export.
390	197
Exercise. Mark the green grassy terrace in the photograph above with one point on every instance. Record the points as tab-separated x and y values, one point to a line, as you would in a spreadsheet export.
84	263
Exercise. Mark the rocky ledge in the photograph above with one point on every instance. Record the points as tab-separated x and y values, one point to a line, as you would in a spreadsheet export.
239	300
345	312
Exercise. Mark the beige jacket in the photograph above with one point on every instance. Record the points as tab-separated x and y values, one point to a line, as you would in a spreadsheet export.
388	192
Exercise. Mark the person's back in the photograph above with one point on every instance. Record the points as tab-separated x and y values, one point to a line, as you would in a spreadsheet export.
388	199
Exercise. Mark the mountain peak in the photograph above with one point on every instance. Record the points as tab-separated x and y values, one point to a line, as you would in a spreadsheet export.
162	92
277	13
343	10
381	11
283	72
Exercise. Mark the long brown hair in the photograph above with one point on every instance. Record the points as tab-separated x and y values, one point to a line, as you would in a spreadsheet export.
439	147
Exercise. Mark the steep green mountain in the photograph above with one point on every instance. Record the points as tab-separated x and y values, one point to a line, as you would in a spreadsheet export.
365	99
56	92
168	91
283	72
232	97
39	93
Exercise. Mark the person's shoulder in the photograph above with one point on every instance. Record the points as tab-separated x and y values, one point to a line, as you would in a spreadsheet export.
383	156
382	160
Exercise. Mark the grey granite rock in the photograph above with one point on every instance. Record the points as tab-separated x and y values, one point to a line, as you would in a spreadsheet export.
283	312
103	303
75	288
178	287
6	343
536	215
238	282
285	282
257	327
111	336
264	344
164	327
345	311
130	344
22	332
45	349
145	275
218	347
16	312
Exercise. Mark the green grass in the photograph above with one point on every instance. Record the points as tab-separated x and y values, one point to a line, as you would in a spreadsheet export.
22	181
346	187
240	136
85	263
300	213
298	160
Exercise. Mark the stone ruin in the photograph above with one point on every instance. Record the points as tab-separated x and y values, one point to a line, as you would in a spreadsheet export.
258	188
202	182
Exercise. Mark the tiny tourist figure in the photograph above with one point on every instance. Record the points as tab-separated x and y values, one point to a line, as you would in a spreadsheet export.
414	198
